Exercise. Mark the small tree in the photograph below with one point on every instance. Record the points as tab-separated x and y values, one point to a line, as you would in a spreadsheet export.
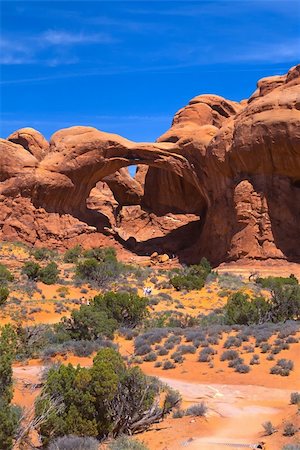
242	310
4	293
192	277
104	254
49	274
72	255
90	323
285	303
98	272
8	417
31	269
5	274
128	309
107	399
43	253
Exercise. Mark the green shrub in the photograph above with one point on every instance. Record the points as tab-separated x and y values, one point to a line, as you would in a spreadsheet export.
285	303
4	293
8	414
128	309
43	253
177	357
192	277
150	357
32	270
89	323
104	314
178	414
206	354
276	282
72	255
240	309
184	349
254	360
98	272
104	254
5	274
49	273
105	399
187	282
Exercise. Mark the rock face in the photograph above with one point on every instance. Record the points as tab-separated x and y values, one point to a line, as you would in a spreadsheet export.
31	140
223	182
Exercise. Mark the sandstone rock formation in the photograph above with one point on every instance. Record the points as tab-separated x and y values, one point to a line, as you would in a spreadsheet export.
223	182
31	140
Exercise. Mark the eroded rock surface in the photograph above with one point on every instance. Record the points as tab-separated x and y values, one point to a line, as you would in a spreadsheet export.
223	182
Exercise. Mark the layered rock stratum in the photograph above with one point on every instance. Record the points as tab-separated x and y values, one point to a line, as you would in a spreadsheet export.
222	182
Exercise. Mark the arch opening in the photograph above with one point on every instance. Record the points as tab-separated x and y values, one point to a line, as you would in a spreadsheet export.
154	210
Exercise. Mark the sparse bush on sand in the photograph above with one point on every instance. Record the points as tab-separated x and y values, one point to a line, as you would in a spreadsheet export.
74	443
199	410
282	367
289	429
228	355
126	443
295	398
242	368
269	428
168	365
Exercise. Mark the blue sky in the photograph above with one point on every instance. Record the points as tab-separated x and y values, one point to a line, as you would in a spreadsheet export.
127	67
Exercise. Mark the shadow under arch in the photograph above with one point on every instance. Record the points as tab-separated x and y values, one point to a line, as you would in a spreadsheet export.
176	240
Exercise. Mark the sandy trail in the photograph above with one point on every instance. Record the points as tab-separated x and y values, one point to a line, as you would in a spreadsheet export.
239	410
243	409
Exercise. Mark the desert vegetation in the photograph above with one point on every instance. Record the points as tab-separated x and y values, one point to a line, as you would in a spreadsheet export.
107	399
213	324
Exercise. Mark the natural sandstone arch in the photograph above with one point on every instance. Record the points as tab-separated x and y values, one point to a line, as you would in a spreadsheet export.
80	157
237	164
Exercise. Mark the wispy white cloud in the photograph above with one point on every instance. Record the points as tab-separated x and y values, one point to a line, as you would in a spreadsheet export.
57	37
14	52
272	52
32	49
